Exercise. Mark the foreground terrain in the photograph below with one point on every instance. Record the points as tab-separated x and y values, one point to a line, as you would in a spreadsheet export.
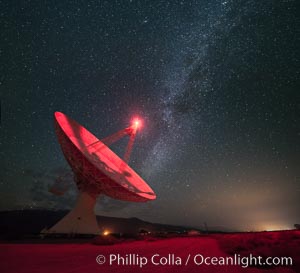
41	257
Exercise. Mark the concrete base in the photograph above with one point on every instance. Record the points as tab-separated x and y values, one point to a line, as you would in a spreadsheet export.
80	220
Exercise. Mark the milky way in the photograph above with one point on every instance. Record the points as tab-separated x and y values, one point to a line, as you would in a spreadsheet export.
215	82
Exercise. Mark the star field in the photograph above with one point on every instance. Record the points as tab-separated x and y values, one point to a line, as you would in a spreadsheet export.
215	82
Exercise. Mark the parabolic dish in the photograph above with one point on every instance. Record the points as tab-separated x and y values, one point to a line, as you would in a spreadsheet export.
97	168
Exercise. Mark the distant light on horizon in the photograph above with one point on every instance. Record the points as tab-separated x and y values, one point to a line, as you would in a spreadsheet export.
106	232
275	227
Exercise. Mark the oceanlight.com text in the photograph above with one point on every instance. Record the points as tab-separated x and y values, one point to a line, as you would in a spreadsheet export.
172	259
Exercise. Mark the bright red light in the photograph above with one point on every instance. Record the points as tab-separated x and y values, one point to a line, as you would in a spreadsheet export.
136	123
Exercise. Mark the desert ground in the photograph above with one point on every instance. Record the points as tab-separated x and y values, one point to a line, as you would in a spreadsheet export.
75	257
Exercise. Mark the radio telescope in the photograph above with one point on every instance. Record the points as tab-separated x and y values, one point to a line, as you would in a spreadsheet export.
97	170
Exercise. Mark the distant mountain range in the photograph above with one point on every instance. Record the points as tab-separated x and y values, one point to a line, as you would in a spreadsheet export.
33	221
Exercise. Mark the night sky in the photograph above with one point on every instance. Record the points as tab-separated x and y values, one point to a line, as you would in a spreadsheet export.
216	84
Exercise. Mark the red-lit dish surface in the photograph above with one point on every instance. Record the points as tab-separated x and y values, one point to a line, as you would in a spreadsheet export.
98	170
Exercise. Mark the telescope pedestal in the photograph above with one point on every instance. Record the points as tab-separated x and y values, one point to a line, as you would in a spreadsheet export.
80	220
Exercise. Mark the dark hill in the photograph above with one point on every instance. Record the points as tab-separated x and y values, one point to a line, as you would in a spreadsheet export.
21	222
